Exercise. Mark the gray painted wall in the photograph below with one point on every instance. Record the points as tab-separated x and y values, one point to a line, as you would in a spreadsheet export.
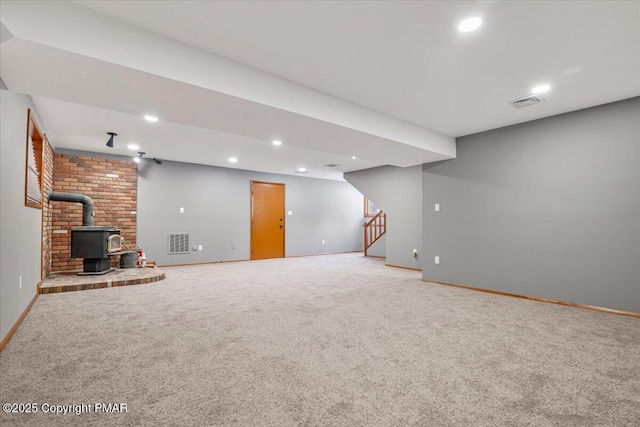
20	245
398	192
217	212
549	208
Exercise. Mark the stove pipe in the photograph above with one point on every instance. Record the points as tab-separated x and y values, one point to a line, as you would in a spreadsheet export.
87	204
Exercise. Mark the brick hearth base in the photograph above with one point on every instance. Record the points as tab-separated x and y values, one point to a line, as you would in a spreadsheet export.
70	281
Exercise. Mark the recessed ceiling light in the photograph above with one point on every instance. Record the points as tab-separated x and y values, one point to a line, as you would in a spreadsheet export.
136	159
302	169
233	160
470	24
541	89
151	118
353	157
276	142
133	147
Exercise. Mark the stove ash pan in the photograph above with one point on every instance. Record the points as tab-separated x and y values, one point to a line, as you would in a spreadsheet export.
91	241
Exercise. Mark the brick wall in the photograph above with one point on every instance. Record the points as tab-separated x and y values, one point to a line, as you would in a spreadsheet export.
114	199
47	225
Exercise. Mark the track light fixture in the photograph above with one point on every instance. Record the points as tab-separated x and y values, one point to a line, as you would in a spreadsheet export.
158	161
110	141
140	154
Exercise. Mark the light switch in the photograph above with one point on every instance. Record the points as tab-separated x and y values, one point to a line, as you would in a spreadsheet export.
437	260
181	210
199	247
437	207
290	213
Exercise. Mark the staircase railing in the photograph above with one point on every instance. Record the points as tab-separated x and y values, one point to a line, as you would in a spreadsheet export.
374	229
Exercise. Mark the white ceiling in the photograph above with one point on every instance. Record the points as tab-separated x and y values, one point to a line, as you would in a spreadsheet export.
75	124
406	58
384	81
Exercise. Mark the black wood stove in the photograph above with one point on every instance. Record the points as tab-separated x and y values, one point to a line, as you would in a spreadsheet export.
92	244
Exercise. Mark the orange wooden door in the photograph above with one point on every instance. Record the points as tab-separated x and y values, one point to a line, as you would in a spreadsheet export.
267	220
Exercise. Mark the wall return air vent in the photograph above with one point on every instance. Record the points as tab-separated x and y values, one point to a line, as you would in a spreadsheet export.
179	243
526	101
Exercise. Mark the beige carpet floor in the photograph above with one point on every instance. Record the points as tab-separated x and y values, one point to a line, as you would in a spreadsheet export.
336	340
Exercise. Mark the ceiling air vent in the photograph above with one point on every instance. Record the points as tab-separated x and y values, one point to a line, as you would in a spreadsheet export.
178	243
526	101
302	172
332	165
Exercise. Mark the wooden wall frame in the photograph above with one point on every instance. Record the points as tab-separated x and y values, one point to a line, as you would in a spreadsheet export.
370	209
34	142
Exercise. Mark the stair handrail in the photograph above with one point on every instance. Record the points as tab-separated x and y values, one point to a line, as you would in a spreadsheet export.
374	229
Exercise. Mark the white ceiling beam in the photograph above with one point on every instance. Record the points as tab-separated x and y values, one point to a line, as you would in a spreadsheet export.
70	27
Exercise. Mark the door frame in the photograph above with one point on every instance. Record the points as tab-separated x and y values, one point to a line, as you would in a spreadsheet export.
284	217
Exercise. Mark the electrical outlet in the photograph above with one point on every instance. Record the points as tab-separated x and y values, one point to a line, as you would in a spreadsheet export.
181	210
20	278
437	207
437	260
